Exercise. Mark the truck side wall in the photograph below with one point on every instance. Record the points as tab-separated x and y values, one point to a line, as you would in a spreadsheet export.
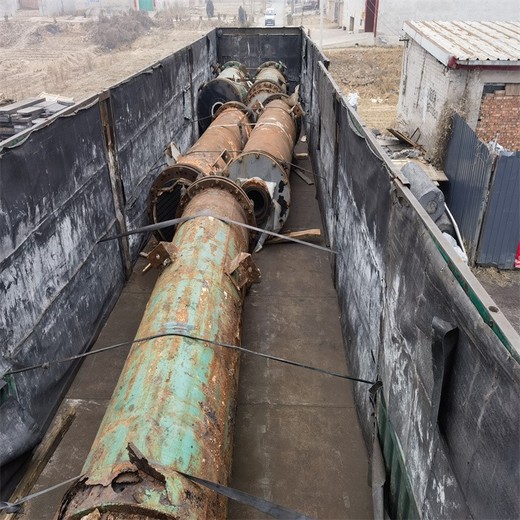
395	278
62	187
87	175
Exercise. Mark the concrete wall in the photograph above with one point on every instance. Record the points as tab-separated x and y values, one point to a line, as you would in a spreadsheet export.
63	7
393	13
8	7
334	11
62	187
454	414
356	9
177	6
430	93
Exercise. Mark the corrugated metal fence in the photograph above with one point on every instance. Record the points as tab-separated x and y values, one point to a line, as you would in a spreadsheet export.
483	196
501	227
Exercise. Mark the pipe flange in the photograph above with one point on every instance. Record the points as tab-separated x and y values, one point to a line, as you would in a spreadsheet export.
234	65
166	194
296	108
233	104
278	65
218	182
262	87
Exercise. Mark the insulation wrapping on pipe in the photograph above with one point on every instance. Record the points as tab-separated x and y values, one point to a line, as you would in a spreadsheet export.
445	225
175	398
429	196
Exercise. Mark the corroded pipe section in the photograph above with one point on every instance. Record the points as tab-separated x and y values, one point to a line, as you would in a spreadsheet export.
232	84
218	145
173	407
269	79
210	155
264	165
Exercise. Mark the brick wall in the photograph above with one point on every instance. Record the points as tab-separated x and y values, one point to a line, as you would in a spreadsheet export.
500	114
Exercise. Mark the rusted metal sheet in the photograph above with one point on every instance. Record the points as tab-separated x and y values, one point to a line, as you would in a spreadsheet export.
264	165
174	403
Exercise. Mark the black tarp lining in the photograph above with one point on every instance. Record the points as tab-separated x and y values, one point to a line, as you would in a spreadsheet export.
392	281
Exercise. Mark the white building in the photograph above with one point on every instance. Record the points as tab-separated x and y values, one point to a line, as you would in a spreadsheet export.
460	66
385	18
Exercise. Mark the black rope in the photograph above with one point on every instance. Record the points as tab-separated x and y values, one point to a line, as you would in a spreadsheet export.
175	221
47	364
270	508
14	507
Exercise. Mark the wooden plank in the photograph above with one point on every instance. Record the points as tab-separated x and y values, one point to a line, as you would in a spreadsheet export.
513	89
302	176
41	455
306	234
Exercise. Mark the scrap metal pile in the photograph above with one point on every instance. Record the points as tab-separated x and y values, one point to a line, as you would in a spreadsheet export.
171	414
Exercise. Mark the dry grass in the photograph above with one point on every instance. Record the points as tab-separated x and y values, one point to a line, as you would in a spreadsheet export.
130	27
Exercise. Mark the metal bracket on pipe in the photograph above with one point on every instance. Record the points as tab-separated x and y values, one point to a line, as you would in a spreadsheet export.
243	271
163	254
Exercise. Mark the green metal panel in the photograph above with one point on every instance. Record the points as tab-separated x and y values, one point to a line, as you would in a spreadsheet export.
146	5
399	499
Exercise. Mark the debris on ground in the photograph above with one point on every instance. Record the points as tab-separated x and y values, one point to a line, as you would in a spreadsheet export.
17	116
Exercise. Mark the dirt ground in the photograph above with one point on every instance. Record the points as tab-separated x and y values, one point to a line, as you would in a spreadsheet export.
373	73
78	56
64	57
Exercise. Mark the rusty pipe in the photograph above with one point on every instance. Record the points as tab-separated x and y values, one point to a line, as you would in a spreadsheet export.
269	79
210	155
218	145
231	84
266	160
173	407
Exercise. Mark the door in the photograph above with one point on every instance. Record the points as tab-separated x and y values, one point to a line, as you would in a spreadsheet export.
370	15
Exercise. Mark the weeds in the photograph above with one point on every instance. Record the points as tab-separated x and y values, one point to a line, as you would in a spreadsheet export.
119	30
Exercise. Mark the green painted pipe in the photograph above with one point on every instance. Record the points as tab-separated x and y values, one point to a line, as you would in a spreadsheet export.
175	399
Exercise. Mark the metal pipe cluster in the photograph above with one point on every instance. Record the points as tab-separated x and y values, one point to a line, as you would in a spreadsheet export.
173	407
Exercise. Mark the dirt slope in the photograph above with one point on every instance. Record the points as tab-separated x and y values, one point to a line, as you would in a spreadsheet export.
74	57
372	72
